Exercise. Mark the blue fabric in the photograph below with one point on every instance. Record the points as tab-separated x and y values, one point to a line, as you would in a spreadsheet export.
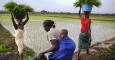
87	7
65	51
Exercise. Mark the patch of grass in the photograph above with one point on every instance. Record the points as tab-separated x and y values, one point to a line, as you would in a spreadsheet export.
3	48
6	40
28	53
108	54
59	17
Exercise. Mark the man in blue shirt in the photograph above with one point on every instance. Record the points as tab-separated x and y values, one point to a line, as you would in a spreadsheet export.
66	47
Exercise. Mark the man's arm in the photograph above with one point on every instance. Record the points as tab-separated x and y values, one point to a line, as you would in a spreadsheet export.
54	44
27	18
13	21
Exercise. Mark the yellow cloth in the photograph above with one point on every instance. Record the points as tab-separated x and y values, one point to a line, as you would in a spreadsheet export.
19	39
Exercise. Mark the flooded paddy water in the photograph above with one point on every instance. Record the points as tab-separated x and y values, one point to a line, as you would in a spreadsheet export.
36	37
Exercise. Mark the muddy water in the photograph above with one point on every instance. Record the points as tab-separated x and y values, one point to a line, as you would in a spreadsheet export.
35	36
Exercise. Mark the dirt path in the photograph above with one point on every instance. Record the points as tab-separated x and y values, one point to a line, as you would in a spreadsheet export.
96	50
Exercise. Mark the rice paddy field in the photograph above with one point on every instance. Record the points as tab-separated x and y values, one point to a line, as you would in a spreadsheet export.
103	28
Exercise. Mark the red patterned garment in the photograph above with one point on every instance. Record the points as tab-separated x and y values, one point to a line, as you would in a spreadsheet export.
84	24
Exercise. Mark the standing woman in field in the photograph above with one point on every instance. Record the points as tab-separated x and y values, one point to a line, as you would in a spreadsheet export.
85	35
19	33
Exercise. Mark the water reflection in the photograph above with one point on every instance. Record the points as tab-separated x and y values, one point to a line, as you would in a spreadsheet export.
35	36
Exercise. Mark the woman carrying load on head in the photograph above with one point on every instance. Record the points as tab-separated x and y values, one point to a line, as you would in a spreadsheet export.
19	33
85	34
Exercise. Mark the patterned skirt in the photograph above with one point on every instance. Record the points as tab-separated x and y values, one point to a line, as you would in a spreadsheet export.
83	40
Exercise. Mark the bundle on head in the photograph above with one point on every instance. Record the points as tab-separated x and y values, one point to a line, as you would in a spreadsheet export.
19	12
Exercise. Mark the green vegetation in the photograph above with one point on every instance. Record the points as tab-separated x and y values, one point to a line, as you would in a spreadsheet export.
3	48
11	6
28	53
96	3
108	54
6	40
59	17
19	11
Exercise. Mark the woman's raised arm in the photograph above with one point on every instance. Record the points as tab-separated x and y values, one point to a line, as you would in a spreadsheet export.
80	11
13	21
27	18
